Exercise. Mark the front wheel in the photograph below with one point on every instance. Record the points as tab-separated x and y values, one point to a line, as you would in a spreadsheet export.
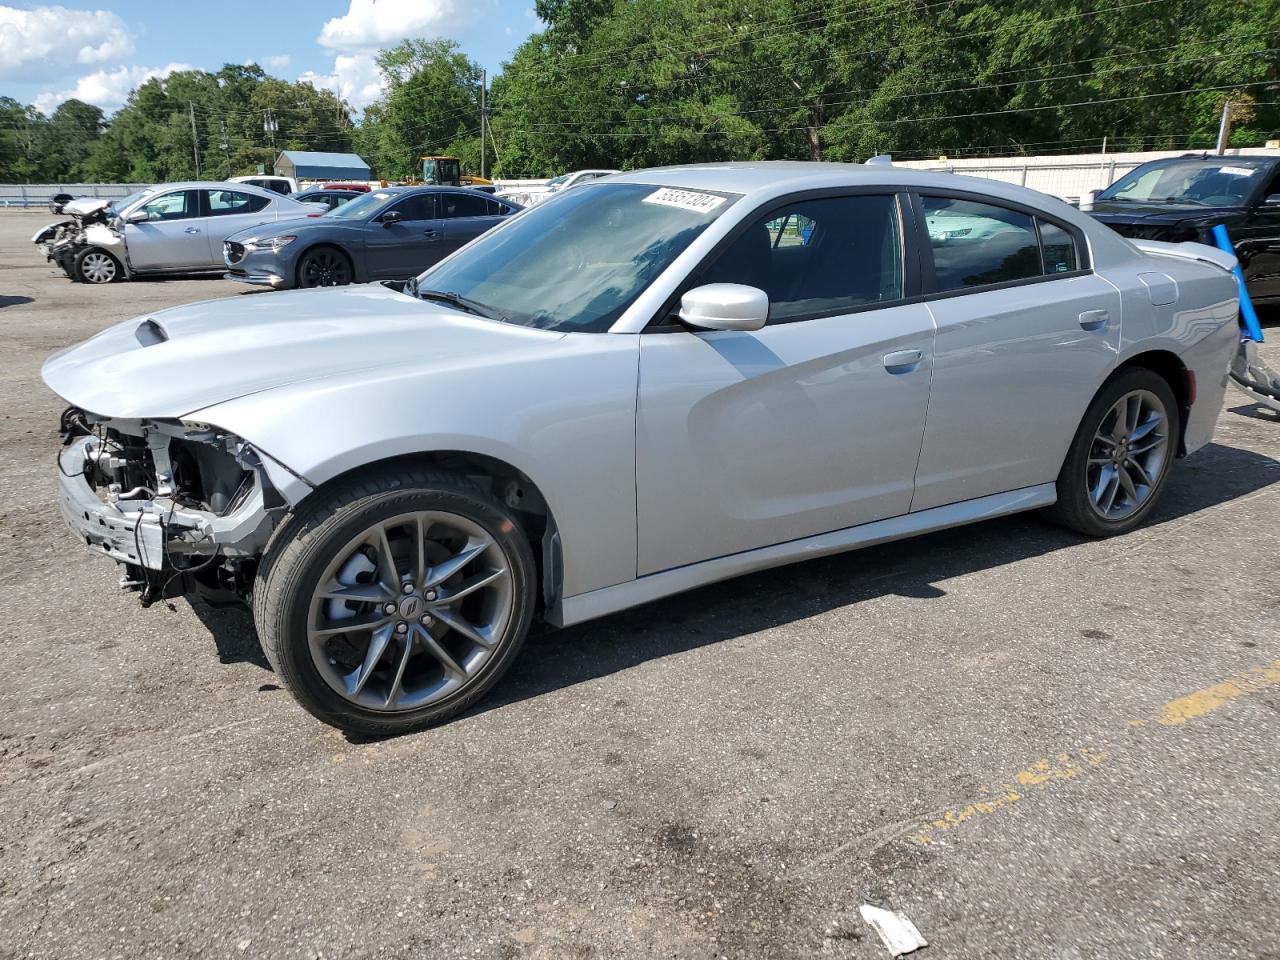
324	267
93	265
1120	458
396	601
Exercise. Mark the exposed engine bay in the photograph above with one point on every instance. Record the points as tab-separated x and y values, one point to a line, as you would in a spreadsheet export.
183	506
90	226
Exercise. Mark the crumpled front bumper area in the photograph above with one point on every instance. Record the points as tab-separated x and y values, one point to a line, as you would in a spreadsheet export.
150	531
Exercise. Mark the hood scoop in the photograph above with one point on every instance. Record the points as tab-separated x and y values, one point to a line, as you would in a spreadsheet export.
150	333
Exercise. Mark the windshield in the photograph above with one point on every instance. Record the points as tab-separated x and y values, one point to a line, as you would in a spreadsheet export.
365	205
115	206
577	262
556	181
1220	182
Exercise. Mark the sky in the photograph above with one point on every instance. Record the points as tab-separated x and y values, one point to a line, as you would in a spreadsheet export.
99	51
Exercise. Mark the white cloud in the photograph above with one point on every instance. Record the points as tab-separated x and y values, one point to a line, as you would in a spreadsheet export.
44	42
369	24
107	88
276	61
355	78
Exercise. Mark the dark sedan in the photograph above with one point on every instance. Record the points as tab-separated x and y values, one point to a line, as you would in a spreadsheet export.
389	234
329	197
1182	198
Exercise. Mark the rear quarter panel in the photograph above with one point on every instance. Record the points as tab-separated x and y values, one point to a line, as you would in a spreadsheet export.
1188	308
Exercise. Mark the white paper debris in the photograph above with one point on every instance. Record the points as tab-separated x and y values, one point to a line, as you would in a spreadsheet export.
685	199
898	933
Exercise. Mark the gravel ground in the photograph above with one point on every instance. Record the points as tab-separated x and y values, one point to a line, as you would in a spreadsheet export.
1032	745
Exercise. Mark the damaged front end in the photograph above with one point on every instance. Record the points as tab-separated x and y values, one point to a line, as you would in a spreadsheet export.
185	507
90	226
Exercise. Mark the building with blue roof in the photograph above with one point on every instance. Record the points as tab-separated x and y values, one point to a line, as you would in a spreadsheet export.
311	165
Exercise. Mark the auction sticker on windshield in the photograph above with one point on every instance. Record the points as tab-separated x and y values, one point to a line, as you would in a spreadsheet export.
1238	171
685	199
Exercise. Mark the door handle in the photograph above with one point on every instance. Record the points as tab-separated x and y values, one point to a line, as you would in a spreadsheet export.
1095	319
191	230
431	234
902	361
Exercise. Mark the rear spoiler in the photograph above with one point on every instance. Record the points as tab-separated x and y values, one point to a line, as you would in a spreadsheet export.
1188	251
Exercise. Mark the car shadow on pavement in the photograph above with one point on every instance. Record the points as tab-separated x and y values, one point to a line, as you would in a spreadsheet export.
553	659
15	301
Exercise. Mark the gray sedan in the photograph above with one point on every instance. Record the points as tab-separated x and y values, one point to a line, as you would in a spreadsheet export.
390	234
642	385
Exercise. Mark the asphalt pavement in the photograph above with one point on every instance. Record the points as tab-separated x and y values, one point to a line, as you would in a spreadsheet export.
1030	744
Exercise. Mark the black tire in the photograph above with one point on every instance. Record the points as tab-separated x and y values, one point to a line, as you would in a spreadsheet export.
95	265
308	542
325	267
1075	508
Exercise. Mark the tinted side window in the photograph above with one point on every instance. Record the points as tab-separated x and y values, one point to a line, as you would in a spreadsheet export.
463	205
818	256
172	206
1057	248
975	244
224	202
421	206
495	208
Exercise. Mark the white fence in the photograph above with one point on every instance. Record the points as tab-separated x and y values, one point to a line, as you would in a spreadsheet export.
38	194
1067	177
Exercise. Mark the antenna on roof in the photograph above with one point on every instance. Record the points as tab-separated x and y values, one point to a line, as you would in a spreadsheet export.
879	160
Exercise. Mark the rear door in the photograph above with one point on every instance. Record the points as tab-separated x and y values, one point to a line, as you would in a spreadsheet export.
466	216
228	212
397	251
173	237
1026	334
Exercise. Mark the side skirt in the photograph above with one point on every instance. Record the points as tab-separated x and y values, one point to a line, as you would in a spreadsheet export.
598	603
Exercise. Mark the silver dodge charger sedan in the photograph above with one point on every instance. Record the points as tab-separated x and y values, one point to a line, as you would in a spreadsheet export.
646	384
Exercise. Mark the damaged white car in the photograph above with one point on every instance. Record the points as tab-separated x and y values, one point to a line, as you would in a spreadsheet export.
646	384
171	228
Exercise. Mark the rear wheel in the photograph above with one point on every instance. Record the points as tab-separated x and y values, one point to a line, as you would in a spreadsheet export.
1120	458
93	265
324	267
396	602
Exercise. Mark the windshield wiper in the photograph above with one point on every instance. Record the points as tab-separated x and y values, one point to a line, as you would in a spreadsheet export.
1187	200
454	300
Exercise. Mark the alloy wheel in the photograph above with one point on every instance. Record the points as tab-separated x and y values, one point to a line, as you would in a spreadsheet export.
1129	454
325	268
410	611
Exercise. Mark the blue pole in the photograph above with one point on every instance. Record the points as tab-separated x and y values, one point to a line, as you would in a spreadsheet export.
1248	316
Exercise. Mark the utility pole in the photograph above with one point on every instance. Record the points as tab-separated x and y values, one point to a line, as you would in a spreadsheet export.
195	144
484	112
269	127
1224	128
226	148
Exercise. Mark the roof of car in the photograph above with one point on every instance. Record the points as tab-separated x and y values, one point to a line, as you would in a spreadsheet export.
777	177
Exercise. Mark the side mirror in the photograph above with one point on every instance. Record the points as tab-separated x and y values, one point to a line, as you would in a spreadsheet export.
390	217
1272	201
138	216
725	306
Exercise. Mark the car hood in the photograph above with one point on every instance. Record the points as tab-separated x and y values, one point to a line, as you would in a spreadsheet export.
85	206
1124	212
176	361
294	225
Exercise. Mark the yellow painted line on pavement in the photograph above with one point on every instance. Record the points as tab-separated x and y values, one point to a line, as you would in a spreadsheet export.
1050	771
1220	694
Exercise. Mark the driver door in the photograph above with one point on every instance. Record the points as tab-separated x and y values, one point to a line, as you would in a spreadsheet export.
397	251
173	236
811	424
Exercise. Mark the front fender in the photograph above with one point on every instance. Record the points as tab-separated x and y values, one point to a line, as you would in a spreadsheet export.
567	421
